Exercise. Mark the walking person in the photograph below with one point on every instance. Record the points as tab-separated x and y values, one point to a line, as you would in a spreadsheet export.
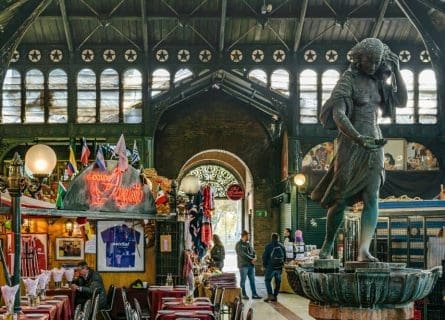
246	263
273	261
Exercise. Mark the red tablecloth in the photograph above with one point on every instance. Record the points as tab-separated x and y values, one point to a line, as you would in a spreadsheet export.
178	304
63	292
174	314
157	293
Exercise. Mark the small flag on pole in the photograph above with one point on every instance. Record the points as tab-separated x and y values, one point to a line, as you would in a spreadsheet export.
61	191
100	160
71	165
135	158
85	153
121	152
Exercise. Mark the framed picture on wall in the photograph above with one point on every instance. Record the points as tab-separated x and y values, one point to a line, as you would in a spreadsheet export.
120	246
395	157
34	255
70	249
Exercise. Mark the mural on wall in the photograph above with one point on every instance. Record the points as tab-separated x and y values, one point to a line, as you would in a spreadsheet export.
419	157
319	157
395	154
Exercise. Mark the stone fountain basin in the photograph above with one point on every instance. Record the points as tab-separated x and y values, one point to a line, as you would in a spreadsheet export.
366	287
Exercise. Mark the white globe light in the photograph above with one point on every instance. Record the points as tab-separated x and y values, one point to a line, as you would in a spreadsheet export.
190	185
41	160
299	179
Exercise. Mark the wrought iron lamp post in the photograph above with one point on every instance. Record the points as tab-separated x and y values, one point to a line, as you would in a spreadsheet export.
41	161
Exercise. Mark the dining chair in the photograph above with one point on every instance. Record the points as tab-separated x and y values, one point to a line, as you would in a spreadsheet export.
87	309
249	315
137	307
106	313
93	315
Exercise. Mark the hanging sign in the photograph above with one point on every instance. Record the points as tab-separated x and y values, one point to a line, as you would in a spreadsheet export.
235	192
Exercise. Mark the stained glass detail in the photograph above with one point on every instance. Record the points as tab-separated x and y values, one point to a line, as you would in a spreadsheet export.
218	177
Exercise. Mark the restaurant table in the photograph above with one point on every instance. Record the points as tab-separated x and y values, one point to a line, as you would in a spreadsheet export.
175	314
140	294
33	316
63	292
178	304
156	293
230	293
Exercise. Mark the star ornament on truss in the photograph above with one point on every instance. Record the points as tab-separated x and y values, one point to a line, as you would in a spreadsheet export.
162	55
183	55
310	55
205	55
34	55
56	55
331	56
109	55
257	55
236	55
15	56
425	56
130	55
279	55
87	55
404	56
349	56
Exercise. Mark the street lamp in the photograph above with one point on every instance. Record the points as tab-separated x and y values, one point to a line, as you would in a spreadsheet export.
41	160
190	186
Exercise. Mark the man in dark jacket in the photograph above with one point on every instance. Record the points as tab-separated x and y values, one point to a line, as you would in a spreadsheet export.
88	281
273	260
246	259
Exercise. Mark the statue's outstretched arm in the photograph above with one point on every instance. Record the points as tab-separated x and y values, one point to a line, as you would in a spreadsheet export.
401	94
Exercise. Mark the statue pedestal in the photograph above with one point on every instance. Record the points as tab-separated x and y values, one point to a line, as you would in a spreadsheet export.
324	312
326	265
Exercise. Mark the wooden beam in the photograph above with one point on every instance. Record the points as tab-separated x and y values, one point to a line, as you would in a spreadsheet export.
379	21
299	29
144	26
66	26
222	25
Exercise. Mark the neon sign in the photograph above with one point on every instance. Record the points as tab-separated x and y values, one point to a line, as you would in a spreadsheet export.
106	186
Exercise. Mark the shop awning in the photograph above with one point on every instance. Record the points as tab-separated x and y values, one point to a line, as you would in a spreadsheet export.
26	202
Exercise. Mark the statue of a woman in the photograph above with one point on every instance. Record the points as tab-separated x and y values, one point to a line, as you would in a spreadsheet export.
372	82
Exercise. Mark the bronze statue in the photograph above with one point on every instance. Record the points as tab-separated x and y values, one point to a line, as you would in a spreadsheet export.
372	82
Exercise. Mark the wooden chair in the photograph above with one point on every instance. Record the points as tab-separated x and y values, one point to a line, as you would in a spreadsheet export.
235	305
249	315
106	313
239	311
218	297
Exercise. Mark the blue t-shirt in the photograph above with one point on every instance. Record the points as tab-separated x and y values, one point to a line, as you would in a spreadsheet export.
121	243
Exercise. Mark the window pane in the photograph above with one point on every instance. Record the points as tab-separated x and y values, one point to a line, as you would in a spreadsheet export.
406	115
34	107
279	81
132	84
427	97
308	96
11	97
329	79
182	74
258	75
58	96
86	96
109	96
160	82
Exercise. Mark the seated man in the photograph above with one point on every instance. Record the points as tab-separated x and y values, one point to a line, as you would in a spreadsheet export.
87	281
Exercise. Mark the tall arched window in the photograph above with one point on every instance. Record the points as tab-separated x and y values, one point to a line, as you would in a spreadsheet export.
11	97
258	75
160	82
35	98
427	97
132	84
86	96
308	96
58	96
109	96
279	81
182	74
406	115
328	80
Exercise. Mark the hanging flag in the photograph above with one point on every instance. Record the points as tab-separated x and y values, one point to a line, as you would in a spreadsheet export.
85	153
71	165
61	191
121	152
100	160
135	158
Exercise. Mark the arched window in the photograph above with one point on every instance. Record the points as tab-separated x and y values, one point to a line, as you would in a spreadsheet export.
419	157
160	82
258	75
328	80
132	84
427	97
308	96
279	81
406	115
11	97
182	74
86	96
109	96
58	96
35	98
